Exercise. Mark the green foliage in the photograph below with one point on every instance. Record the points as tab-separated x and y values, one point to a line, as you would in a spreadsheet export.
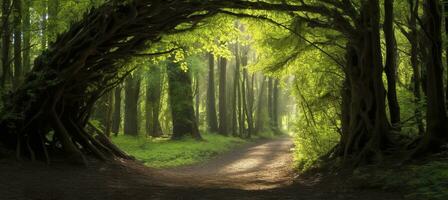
420	181
161	153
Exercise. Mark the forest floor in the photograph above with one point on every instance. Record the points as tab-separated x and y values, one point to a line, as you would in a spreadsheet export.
260	170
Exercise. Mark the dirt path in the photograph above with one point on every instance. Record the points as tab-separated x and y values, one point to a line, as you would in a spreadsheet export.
256	171
264	164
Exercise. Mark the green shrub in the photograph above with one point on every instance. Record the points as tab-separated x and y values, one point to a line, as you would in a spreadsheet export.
421	182
161	153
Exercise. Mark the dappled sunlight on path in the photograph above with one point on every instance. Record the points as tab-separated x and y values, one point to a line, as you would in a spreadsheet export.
262	165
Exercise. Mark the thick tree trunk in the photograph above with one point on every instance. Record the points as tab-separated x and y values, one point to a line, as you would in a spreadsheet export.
222	96
345	108
116	121
436	118
368	127
391	63
181	102
212	120
132	93
18	71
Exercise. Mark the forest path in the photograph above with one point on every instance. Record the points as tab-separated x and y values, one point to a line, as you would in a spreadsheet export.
264	164
257	171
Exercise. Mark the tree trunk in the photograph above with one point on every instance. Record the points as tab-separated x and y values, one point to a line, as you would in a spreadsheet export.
109	113
260	106
345	107
53	12
153	98
18	71
116	121
446	51
197	98
236	95
6	42
270	102
275	105
416	77
132	92
212	121
181	102
368	126
436	118
222	96
44	25
391	63
26	36
247	102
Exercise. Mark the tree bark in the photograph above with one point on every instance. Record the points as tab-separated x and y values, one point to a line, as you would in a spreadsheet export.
416	77
391	63
247	104
44	25
260	106
52	21
132	93
181	102
153	98
6	42
270	101
222	96
26	36
235	93
275	105
197	98
116	121
436	118
18	71
212	120
109	113
368	126
446	51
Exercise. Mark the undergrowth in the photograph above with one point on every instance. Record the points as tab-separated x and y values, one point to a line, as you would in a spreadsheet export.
427	181
162	153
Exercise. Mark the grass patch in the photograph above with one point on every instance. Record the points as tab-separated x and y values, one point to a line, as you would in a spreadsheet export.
162	153
427	181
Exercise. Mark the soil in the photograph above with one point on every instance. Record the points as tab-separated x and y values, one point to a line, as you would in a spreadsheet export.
260	170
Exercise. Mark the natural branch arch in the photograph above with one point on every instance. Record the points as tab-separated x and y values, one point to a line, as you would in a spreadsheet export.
83	63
